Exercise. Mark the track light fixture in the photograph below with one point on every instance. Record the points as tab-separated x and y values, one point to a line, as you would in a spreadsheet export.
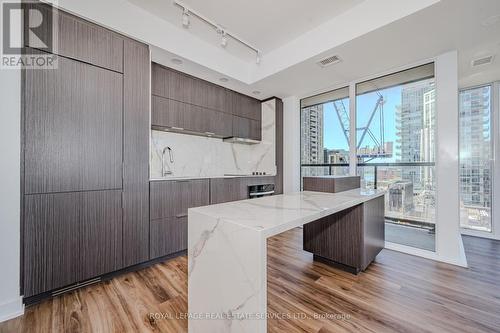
223	40
185	18
188	12
257	58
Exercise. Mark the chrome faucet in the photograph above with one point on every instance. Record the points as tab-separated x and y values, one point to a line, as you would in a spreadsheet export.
164	171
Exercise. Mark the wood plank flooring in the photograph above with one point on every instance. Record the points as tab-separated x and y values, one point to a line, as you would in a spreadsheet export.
397	293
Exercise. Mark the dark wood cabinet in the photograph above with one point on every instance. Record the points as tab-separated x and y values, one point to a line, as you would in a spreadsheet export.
136	130
184	103
169	202
246	107
168	235
233	189
279	145
70	237
85	192
78	39
351	238
174	197
73	128
247	128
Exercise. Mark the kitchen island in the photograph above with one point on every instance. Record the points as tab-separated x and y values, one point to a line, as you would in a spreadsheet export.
227	251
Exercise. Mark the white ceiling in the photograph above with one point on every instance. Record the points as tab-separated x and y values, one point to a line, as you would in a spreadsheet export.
262	23
371	36
448	25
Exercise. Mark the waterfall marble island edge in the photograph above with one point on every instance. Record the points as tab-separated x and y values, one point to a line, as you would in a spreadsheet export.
227	254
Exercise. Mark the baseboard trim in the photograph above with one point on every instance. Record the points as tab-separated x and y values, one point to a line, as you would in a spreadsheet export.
462	262
35	299
11	309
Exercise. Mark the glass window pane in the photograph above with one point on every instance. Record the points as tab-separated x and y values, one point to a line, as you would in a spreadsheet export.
325	137
395	130
475	158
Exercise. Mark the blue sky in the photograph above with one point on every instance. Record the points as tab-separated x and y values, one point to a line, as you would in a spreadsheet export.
335	139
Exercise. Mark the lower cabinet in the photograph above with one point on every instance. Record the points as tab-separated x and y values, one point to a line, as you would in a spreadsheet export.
169	202
233	189
70	237
168	235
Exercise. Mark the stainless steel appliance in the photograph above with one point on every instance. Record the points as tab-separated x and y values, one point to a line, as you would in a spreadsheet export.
261	190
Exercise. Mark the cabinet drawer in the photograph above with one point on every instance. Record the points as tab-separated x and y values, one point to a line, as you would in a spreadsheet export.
167	236
173	198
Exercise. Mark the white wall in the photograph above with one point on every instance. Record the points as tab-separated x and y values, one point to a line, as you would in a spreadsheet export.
449	246
10	145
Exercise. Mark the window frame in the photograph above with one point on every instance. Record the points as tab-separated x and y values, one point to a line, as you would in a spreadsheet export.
494	161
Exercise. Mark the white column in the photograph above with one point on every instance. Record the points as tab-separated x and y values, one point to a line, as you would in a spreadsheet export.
291	144
10	146
449	245
352	130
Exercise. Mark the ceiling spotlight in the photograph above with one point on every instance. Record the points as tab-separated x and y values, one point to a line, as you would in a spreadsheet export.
185	18
223	79
256	92
176	61
223	40
257	59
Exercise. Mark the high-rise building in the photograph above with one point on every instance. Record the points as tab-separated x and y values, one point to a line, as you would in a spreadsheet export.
415	123
427	143
312	139
475	147
337	156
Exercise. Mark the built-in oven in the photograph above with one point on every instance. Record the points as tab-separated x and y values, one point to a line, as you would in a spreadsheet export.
261	190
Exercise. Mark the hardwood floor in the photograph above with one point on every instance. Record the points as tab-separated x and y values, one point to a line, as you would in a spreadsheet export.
397	293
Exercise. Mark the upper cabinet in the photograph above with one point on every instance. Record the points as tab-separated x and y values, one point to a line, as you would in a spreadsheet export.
81	40
73	128
245	106
184	103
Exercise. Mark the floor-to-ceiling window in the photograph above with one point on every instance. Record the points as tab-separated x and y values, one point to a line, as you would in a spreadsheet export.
476	156
395	135
325	134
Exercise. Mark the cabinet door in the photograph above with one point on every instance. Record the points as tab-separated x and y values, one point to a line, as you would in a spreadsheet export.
51	252
136	79
73	128
100	233
70	237
173	198
167	236
247	128
79	39
226	189
167	112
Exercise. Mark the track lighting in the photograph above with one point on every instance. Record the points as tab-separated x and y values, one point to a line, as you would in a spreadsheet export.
185	18
188	13
223	40
257	59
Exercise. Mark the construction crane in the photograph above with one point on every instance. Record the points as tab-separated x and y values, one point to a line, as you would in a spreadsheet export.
343	117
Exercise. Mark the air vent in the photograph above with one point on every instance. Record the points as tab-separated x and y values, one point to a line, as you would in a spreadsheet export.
329	61
482	61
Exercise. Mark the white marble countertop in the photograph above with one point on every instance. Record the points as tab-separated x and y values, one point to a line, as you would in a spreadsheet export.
208	177
272	215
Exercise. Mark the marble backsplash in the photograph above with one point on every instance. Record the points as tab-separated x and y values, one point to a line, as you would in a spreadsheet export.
198	156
